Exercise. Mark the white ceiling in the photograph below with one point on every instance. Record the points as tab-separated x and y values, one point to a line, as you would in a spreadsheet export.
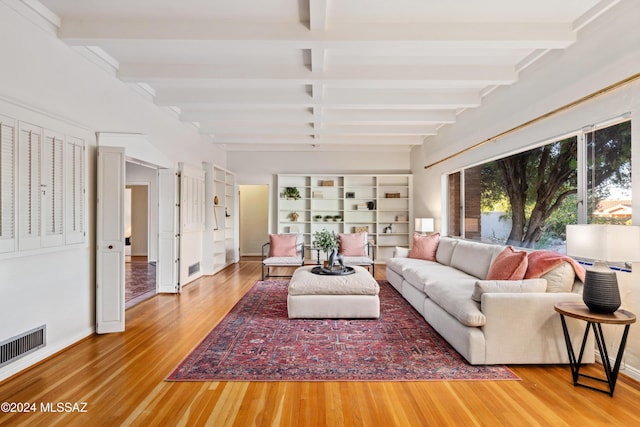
335	74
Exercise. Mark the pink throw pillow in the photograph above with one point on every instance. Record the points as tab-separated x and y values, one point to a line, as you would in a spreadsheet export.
425	246
352	244
509	265
283	245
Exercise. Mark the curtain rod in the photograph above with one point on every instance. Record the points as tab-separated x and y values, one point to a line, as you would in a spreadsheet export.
565	107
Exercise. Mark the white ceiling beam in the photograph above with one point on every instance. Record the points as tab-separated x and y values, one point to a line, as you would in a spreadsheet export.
326	140
330	117
391	117
318	59
435	34
306	129
340	76
257	116
343	147
318	15
350	99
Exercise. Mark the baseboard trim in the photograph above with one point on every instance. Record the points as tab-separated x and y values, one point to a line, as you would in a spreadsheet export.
629	371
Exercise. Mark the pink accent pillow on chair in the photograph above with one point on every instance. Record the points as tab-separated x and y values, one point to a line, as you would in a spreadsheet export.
424	246
509	265
283	245
352	244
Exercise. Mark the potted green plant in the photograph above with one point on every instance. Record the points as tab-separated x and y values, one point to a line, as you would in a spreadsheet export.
337	218
325	240
291	193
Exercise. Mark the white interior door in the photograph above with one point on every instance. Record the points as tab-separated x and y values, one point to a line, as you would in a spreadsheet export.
110	285
167	272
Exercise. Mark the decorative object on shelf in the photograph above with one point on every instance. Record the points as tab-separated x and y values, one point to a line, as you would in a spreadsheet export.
291	193
424	225
317	217
337	218
326	183
328	217
294	216
371	205
401	218
350	195
392	195
603	243
361	207
317	195
216	200
388	229
361	229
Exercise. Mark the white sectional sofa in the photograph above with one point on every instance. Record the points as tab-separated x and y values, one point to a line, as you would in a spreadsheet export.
516	324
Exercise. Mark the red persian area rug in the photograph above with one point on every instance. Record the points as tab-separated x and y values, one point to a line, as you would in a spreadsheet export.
256	341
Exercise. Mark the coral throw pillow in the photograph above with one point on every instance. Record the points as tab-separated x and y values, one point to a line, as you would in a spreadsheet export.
424	247
352	244
283	245
509	265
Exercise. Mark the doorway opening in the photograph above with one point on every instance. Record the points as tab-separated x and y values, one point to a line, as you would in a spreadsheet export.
254	219
140	259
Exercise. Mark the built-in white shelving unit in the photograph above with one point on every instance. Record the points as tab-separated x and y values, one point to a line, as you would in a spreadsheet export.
225	236
380	204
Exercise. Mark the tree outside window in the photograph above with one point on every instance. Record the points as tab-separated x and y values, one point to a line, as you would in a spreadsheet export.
527	199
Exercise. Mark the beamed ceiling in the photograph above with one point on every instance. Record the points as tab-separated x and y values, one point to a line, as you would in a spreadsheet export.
332	74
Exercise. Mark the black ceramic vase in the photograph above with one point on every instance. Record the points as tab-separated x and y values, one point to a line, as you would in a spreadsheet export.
601	293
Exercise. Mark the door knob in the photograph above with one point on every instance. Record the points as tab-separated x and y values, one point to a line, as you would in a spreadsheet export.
110	246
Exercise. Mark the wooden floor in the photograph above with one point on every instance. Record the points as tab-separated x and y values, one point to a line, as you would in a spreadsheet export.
120	377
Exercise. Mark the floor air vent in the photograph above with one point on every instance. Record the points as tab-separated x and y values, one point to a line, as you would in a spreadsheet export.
194	268
21	345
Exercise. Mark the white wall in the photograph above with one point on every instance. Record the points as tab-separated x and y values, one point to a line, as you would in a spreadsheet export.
606	52
45	82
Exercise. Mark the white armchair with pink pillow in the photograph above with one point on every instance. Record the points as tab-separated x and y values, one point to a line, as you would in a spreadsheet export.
356	249
282	250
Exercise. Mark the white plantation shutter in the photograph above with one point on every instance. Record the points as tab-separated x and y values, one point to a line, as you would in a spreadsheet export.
75	205
7	185
192	195
52	189
30	195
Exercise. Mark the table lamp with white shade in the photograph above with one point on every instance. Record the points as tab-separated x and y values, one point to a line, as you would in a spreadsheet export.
424	225
603	243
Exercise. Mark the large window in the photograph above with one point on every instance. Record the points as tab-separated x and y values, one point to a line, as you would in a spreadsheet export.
528	198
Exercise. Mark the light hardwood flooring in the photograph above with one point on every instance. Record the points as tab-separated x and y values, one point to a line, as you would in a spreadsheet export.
121	379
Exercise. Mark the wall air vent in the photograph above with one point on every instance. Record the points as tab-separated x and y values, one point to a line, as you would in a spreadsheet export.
21	345
194	268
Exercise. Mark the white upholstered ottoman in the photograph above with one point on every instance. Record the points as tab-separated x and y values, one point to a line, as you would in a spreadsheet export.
315	296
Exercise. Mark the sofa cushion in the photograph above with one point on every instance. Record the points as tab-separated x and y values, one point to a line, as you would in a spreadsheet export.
508	265
446	245
423	278
400	252
456	300
507	286
399	265
424	246
474	258
560	278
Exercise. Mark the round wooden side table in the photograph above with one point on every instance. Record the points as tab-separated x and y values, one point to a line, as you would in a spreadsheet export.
578	310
